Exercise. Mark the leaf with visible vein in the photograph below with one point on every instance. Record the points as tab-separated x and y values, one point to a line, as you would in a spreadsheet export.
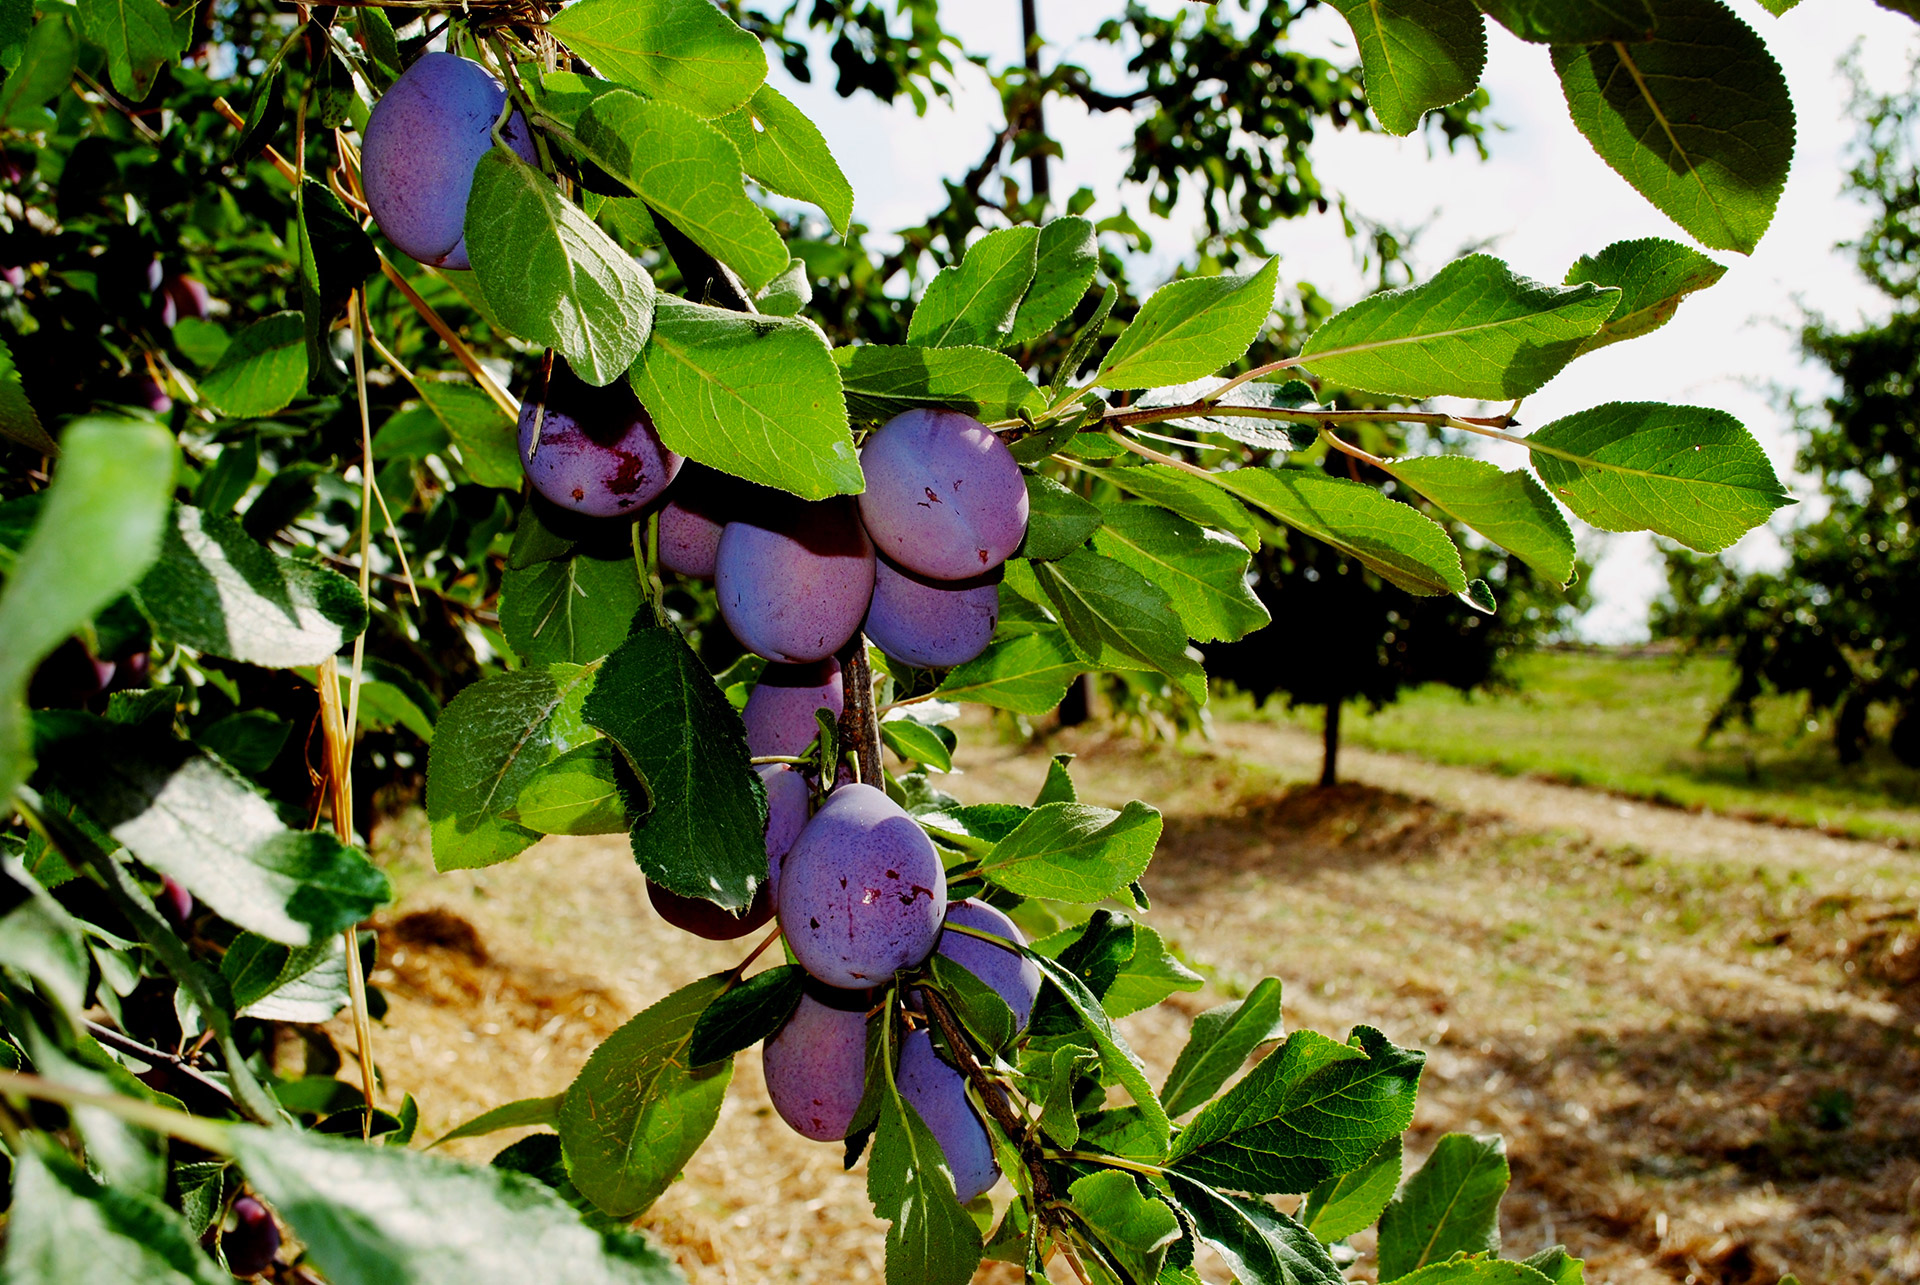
974	302
683	51
1074	852
1024	674
1190	328
1203	572
930	1238
1116	1057
884	380
1345	1205
1219	1043
1416	55
1199	500
1395	540
1451	1206
1652	275
1510	509
1067	260
17	417
1261	1245
1574	22
1119	618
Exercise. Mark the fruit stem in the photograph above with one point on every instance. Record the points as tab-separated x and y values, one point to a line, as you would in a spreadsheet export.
739	970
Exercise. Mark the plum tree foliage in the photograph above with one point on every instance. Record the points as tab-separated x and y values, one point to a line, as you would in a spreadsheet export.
343	396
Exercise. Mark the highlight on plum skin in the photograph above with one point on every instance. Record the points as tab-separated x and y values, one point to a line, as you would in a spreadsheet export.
932	624
597	451
780	712
816	1064
1014	977
944	496
794	583
939	1096
862	892
422	142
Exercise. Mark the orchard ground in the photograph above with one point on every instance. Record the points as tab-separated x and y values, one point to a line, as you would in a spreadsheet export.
1700	1035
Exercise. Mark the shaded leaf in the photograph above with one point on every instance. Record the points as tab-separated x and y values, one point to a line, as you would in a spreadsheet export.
577	793
17	417
1136	1229
752	1011
1119	618
1450	1206
1203	572
524	1114
1573	22
882	381
67	1228
1219	1044
577	608
974	301
1058	521
1261	1245
930	1238
1347	1204
1396	541
1652	275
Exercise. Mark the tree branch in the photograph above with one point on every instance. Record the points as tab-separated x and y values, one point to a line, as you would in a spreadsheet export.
705	279
859	721
1004	1117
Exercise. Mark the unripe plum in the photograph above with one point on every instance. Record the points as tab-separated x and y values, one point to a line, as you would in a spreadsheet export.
253	1243
598	453
423	140
780	711
934	624
1013	977
816	1065
939	1094
944	496
862	892
695	513
794	583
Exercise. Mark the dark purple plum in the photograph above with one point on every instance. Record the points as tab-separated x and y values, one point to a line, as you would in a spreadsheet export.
794	583
174	902
253	1242
702	918
143	390
696	511
423	140
862	892
1014	977
816	1064
789	802
933	624
182	296
939	1094
944	496
780	712
598	453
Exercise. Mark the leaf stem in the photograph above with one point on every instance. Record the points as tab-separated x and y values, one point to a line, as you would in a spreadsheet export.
488	385
1248	376
205	1134
1112	1162
1348	448
739	970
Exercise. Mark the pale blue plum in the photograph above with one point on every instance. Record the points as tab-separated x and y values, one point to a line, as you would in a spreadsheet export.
1014	977
794	582
816	1065
944	496
780	711
423	140
939	1094
932	624
862	892
598	453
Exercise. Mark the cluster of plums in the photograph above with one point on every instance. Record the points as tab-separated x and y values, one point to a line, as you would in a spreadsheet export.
858	887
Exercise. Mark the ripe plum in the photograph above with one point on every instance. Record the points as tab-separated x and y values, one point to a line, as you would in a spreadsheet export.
939	1094
794	583
816	1064
934	624
253	1242
780	712
1014	977
598	453
944	496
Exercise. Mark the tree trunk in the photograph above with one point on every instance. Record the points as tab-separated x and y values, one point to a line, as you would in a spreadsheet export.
1330	742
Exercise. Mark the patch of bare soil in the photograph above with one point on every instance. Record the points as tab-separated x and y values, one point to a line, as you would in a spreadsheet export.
1701	1040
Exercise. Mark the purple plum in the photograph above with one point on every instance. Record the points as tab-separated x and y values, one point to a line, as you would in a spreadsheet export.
780	711
939	1095
862	892
1014	977
695	513
426	135
182	296
794	583
598	453
174	902
944	496
253	1242
702	918
933	624
15	277
816	1065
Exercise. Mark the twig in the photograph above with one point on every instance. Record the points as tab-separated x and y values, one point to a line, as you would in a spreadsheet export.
134	1048
1348	448
488	385
859	724
992	1097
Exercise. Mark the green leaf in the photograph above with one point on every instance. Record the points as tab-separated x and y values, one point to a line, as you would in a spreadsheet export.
1189	329
705	833
46	64
39	938
98	527
524	1114
685	51
1562	1268
1073	852
1203	572
1064	268
1686	472
974	301
391	1214
216	589
17	417
1219	1044
1573	22
640	1107
786	153
186	814
1652	275
577	793
758	397
1347	1204
1150	974
490	741
1261	434
577	608
140	36
690	172
550	273
279	983
1475	330
930	1238
67	1228
1509	509
263	369
1197	499
336	257
980	1008
915	743
1394	540
1025	674
1416	55
1058	521
1058	787
1119	618
882	381
1311	1109
1118	1060
1137	1230
1451	1206
752	1011
488	441
1261	1245
787	293
1698	119
1475	1271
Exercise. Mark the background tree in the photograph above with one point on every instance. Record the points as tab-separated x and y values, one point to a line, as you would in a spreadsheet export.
1837	624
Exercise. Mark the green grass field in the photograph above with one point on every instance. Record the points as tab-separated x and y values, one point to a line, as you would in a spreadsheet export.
1631	722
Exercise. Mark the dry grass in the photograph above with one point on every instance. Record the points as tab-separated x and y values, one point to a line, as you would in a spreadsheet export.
1705	1061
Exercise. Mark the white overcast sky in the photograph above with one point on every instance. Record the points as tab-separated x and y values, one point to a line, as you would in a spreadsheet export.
1544	198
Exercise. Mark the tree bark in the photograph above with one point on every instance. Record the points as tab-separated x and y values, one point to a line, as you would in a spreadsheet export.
1330	745
1037	119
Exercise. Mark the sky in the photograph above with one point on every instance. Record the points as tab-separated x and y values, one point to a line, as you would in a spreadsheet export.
1542	199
